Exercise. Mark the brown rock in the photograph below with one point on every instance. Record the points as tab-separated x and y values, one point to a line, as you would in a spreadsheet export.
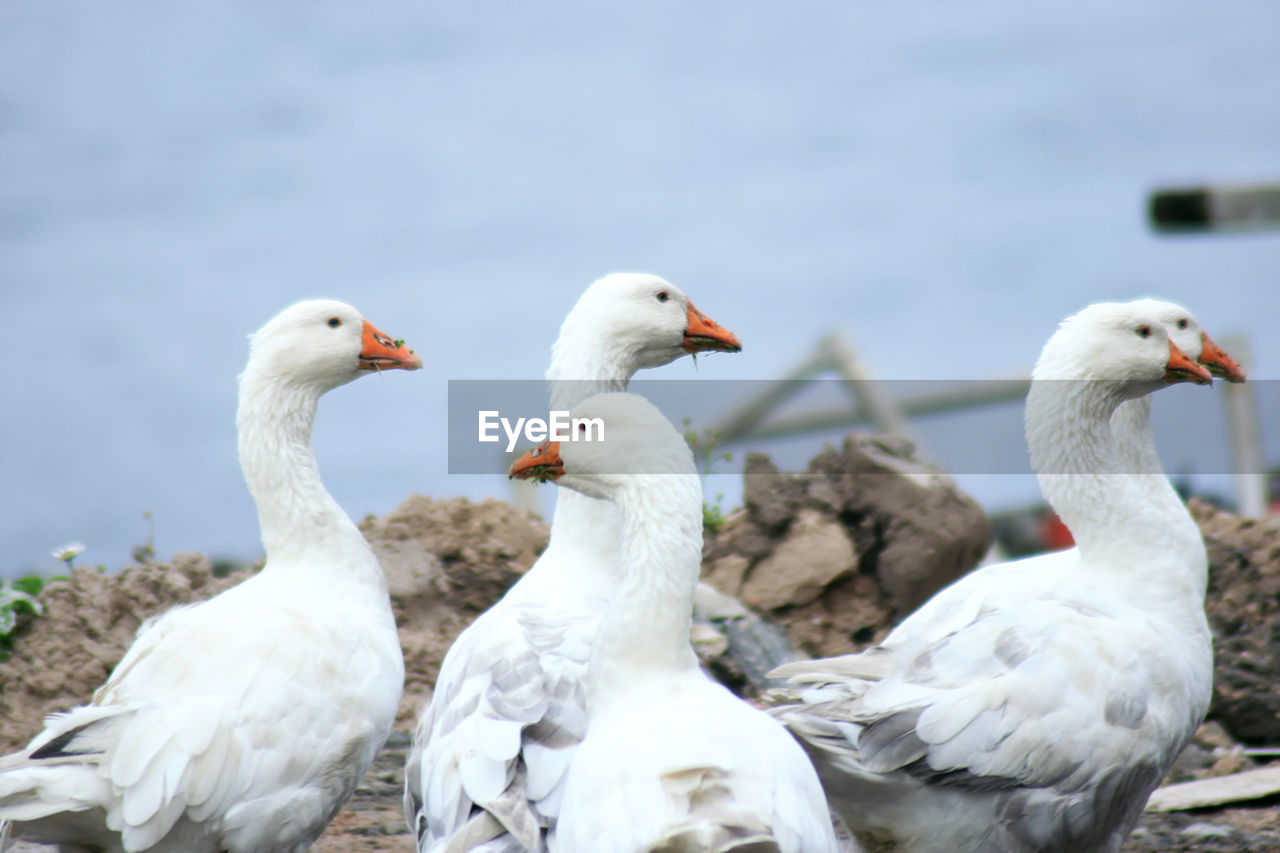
771	498
815	553
842	552
930	532
726	573
850	616
739	536
1211	752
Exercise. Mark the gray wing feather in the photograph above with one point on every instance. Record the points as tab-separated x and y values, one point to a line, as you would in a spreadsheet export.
1058	738
498	735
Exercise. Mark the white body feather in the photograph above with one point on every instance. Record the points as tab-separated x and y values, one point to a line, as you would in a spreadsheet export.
245	722
1031	705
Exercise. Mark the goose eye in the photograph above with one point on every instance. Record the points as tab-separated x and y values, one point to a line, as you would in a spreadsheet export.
334	322
1182	324
663	296
1144	331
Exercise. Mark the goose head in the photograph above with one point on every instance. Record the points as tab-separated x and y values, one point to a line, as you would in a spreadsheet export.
1125	346
633	321
323	343
636	438
1185	331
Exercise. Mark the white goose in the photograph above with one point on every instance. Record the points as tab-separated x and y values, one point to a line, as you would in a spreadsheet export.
671	760
952	608
492	747
243	723
1038	710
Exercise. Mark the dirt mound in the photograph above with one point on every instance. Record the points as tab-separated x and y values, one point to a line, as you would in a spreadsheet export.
1244	611
840	553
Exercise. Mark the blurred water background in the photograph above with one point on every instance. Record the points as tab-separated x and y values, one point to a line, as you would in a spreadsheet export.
942	181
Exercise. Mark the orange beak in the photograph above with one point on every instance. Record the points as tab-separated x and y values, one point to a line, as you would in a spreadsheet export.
382	353
1181	368
542	463
1219	363
701	334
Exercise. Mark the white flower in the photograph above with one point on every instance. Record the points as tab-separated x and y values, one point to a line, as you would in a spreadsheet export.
68	552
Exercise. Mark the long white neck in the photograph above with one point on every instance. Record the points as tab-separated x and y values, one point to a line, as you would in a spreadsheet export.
646	631
584	363
1136	443
1129	525
303	528
584	531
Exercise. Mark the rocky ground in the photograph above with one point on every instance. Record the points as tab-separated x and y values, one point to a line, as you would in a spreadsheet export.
826	562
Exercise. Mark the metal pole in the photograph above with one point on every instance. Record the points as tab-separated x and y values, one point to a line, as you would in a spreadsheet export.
887	416
1245	436
971	395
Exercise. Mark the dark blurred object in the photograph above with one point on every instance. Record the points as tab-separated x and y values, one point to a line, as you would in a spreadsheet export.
1028	530
1222	208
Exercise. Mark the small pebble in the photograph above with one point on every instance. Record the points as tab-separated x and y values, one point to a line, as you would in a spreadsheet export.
1208	830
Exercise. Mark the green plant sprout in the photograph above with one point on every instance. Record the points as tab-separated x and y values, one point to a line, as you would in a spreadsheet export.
146	552
705	456
16	597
